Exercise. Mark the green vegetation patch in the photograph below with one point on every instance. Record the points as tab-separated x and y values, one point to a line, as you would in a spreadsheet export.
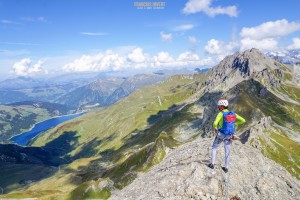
13	176
291	90
284	151
30	194
90	190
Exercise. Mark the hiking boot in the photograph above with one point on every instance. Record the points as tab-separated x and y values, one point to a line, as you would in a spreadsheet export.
211	166
225	169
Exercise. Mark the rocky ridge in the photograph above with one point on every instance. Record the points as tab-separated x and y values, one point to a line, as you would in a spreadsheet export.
184	174
243	66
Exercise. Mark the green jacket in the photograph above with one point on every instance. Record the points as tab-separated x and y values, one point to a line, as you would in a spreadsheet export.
218	123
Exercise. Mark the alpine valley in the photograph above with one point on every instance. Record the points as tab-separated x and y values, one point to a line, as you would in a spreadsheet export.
152	137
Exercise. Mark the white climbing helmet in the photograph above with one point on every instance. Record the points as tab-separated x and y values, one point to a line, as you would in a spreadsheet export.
223	102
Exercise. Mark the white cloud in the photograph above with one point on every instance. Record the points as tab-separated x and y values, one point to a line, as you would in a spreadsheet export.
185	59
195	6
188	56
270	29
220	48
24	68
295	45
213	47
163	57
100	62
193	40
268	44
184	27
136	59
266	36
137	56
165	37
94	33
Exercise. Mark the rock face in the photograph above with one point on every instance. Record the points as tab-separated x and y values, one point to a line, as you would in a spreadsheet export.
243	66
184	174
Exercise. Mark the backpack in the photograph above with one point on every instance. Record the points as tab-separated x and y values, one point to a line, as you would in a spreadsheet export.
229	119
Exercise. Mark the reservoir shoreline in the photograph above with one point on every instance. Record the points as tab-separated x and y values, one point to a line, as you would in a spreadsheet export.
32	133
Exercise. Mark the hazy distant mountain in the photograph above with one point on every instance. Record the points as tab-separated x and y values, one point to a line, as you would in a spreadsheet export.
28	88
96	92
75	89
21	83
41	93
104	92
198	70
133	83
288	57
9	96
83	77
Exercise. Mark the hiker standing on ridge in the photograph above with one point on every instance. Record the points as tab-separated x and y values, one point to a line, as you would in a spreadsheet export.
224	129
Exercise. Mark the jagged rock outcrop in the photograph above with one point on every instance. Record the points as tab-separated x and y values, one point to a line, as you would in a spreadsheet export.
243	66
184	174
257	129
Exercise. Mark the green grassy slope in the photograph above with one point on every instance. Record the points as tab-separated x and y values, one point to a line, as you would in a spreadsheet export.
110	146
115	143
107	129
14	176
275	143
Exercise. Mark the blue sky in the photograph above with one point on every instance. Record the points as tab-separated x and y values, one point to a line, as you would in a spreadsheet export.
39	37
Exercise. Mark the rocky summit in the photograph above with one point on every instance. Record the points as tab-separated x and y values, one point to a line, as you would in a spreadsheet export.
184	174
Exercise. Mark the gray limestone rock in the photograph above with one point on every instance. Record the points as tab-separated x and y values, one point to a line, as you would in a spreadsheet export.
184	174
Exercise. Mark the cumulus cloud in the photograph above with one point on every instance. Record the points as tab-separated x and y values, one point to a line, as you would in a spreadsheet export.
295	45
268	44
188	56
163	57
271	29
135	59
220	48
25	67
213	47
166	37
137	56
266	36
195	6
184	27
100	62
185	59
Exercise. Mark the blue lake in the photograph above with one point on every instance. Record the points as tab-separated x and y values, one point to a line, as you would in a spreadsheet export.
24	138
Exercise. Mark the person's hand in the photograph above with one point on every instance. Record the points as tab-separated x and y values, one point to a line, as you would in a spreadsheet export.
216	131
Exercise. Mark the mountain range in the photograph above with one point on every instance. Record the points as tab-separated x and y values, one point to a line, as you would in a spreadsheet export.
287	57
161	135
67	95
75	90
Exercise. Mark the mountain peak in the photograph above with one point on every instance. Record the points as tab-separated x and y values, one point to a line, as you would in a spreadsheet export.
253	61
241	66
